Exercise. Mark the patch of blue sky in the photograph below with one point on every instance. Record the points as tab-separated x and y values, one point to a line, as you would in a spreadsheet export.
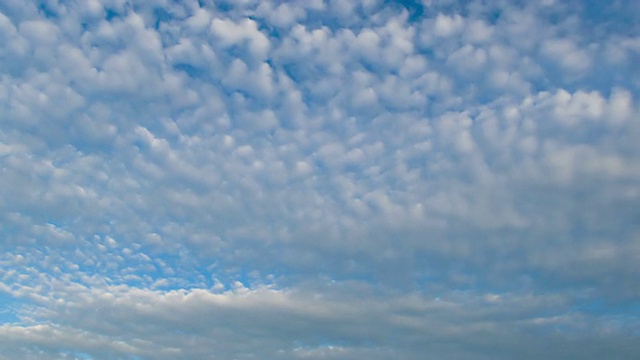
47	11
191	70
8	308
112	14
78	355
415	8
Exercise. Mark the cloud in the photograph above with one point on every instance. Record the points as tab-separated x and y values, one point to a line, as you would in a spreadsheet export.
311	180
285	323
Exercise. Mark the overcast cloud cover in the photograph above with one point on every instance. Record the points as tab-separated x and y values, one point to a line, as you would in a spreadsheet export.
319	179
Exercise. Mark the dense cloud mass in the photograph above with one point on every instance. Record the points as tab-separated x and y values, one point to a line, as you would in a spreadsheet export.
319	179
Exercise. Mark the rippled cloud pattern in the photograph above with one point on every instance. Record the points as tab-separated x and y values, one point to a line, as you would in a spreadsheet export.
319	179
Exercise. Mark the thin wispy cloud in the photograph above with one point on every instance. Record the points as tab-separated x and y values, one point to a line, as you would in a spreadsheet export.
319	179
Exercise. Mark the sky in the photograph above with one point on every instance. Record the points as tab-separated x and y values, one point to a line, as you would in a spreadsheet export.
319	179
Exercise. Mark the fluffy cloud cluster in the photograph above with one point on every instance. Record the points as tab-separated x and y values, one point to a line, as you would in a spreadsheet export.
319	179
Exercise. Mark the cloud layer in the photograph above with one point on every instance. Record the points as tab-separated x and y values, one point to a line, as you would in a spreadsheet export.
319	179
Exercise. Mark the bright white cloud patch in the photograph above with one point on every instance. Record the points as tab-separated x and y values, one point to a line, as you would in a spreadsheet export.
319	179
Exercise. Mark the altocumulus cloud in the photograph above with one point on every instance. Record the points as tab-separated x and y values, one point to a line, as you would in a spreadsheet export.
319	179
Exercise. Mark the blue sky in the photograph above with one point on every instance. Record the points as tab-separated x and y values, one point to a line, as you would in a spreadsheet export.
319	179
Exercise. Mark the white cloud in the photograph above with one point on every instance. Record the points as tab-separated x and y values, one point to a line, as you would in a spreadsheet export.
40	33
570	57
448	25
282	15
308	180
279	323
232	33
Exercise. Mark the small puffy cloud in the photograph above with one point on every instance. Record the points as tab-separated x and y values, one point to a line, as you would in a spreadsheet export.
446	26
232	33
567	54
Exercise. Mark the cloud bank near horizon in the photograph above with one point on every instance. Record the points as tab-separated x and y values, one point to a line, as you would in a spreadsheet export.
319	179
